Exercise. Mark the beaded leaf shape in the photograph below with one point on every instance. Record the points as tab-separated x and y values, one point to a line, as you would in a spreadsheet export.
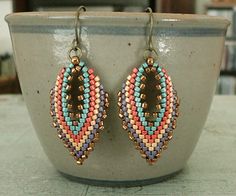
148	107
78	103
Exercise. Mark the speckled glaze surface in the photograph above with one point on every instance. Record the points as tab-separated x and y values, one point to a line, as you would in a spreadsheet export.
190	49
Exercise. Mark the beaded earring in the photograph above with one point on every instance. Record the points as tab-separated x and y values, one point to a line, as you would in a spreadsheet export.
78	102
148	104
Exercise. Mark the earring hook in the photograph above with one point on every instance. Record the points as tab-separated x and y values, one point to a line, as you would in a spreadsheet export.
75	43
150	48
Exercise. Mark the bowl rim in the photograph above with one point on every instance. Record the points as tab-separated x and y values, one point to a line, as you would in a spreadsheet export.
112	18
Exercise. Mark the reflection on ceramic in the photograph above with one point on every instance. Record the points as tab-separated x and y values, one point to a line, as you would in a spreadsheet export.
190	49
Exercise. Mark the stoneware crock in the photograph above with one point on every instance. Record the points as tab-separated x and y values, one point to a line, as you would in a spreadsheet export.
189	47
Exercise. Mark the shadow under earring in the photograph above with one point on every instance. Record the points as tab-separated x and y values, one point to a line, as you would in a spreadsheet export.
78	102
148	104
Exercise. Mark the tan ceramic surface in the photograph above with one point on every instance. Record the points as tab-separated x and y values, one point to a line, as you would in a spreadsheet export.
40	43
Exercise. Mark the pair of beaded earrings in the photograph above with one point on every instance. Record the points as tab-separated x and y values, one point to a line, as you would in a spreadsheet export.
79	102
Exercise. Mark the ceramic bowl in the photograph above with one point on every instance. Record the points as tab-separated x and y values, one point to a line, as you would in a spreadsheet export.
189	47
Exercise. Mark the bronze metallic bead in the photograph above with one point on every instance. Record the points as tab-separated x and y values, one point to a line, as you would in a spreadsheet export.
147	70
144	105
78	68
146	114
80	97
68	87
120	115
153	69
68	97
131	137
158	106
124	127
159	97
80	107
72	115
81	88
59	135
90	149
158	77
158	87
69	106
143	78
142	86
84	156
150	61
75	60
70	78
154	114
143	155
143	96
80	78
91	145
79	162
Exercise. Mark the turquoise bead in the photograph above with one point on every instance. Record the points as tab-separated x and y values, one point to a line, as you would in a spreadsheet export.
81	64
158	119
163	94
85	74
163	100
69	123
85	111
65	113
141	70
155	64
163	90
144	123
162	79
86	101
162	110
64	109
136	94
150	132
85	69
86	106
82	120
67	119
73	128
64	104
63	100
137	99
86	84
63	94
68	70
137	84
161	115
65	80
86	79
153	128
138	79
139	109
148	128
138	104
145	65
86	90
63	89
71	65
159	70
142	119
66	74
163	84
75	132
64	84
83	116
156	124
139	74
86	95
163	105
137	89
